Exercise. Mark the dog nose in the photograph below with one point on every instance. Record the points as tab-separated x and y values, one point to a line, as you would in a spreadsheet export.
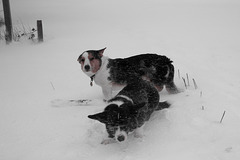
87	67
121	138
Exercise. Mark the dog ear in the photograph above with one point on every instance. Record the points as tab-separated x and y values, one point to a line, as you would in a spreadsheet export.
101	117
100	52
79	58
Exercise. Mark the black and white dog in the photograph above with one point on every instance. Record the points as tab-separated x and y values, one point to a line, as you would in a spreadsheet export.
111	73
129	110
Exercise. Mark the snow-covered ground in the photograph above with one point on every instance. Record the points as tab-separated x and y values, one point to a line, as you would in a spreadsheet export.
201	37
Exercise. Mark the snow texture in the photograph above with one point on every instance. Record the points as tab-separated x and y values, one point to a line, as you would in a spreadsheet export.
201	37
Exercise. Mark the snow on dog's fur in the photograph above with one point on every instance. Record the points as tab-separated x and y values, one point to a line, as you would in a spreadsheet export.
110	73
129	110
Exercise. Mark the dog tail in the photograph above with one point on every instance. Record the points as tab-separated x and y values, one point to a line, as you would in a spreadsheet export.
163	105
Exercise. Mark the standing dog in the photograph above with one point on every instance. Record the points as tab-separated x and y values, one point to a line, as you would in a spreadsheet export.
129	110
109	73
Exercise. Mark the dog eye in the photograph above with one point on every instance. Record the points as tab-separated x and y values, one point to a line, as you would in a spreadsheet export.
82	60
91	59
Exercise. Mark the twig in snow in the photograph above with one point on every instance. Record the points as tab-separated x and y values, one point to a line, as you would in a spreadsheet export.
202	107
184	82
201	94
187	80
52	86
178	74
195	84
222	116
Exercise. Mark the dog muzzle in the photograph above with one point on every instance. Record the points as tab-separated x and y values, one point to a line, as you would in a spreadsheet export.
121	138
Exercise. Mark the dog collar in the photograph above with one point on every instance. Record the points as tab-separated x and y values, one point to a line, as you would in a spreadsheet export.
91	81
92	77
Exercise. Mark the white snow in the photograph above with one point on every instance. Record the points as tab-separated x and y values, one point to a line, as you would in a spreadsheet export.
201	37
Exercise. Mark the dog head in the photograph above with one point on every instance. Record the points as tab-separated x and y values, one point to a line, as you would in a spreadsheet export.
119	119
91	61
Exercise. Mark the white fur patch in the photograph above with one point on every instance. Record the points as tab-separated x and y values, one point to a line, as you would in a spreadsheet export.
86	62
120	133
119	103
126	97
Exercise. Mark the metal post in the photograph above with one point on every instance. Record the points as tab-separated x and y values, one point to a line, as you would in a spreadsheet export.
8	20
40	30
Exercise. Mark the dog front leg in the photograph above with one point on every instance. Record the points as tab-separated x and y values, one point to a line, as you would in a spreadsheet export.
108	141
138	133
107	92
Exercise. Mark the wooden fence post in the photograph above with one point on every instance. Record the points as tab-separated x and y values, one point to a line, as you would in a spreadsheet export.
40	30
8	20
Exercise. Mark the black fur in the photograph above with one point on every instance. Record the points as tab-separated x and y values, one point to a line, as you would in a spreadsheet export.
154	67
140	99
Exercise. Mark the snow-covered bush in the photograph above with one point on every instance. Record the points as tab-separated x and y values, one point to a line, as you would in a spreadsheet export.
20	33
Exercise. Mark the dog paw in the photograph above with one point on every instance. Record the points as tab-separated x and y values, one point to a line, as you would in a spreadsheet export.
108	141
138	135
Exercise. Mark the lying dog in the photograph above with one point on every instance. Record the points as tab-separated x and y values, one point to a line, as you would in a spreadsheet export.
129	110
109	73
